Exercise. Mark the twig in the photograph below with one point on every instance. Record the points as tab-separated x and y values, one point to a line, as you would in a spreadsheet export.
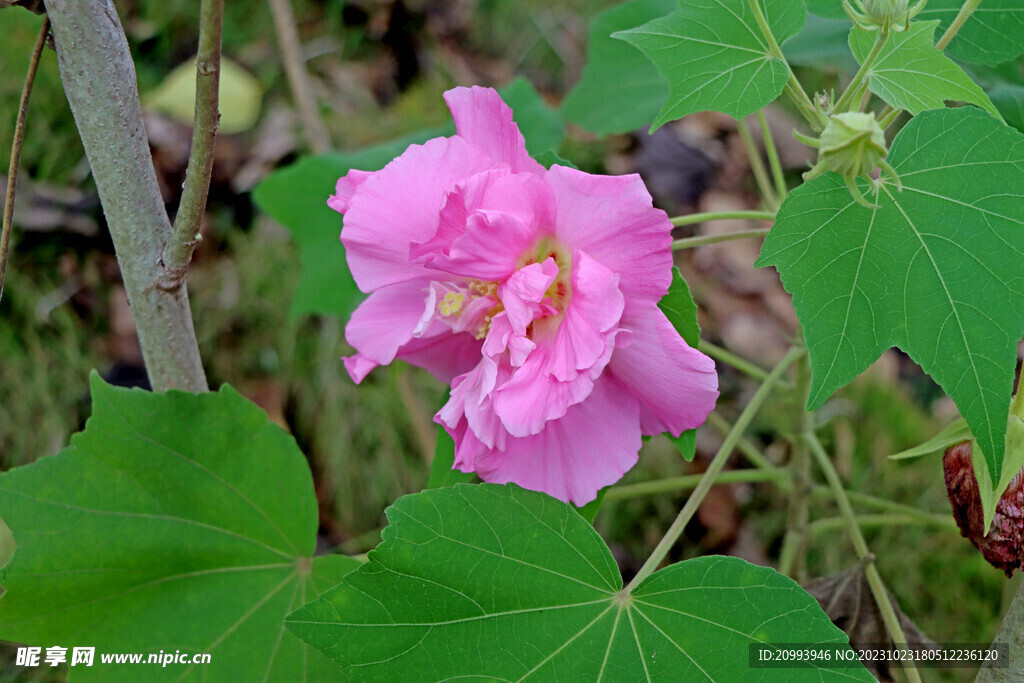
885	606
689	481
298	79
19	138
821	526
187	223
691	219
794	543
716	466
99	79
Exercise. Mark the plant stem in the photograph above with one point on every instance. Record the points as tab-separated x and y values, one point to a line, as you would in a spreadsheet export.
689	481
794	543
701	240
716	466
852	93
294	66
730	358
882	598
793	89
757	166
694	218
187	223
99	80
773	157
19	138
888	116
961	18
821	526
750	452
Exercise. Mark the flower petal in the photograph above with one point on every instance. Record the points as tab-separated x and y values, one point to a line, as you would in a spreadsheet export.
613	220
399	205
677	386
573	458
484	120
346	189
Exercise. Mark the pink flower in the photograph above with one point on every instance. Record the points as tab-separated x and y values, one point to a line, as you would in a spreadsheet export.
534	292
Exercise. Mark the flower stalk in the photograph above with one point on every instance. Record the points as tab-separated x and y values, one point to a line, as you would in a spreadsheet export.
714	469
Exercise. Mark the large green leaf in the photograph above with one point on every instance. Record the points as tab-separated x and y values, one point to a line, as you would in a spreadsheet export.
173	522
620	90
994	33
496	582
911	74
1009	99
937	269
681	310
830	9
715	58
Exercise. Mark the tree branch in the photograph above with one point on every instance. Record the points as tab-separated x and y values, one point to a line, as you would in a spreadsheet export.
188	221
99	79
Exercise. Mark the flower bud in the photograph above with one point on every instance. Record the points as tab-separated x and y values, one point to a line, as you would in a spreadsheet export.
887	12
852	144
1003	545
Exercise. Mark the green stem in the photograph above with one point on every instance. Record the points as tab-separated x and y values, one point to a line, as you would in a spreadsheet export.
749	451
888	116
690	481
19	137
882	598
757	166
1017	406
794	543
693	218
821	526
773	156
714	469
730	358
961	18
701	240
185	233
853	90
793	89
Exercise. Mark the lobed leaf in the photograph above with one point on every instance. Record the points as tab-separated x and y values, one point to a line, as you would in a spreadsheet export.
496	582
937	270
911	74
621	90
715	58
173	522
994	33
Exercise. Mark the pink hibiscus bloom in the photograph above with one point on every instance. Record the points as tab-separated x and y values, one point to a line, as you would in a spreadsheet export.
534	292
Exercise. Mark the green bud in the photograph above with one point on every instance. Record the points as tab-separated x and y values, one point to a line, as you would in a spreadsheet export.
887	13
853	144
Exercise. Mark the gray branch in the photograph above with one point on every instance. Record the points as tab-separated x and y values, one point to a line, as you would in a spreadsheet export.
99	79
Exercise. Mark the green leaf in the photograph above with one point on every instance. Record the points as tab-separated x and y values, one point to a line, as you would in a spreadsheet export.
175	522
952	434
296	197
441	467
241	96
620	90
936	270
714	57
911	74
496	582
994	33
540	124
680	309
830	9
1009	100
1012	465
822	45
